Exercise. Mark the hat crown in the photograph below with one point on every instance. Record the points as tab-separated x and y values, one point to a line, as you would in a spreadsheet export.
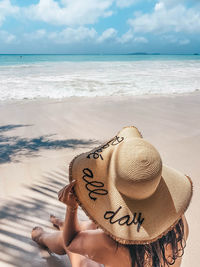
138	168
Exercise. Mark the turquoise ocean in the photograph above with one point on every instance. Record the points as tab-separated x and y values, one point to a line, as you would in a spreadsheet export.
59	76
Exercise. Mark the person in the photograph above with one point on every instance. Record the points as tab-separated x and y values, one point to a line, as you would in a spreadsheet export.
136	205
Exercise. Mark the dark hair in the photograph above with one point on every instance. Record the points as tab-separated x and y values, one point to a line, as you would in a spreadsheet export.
154	254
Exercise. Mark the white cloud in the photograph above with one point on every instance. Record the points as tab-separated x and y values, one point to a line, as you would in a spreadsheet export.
184	42
171	3
68	12
73	35
126	37
168	16
125	3
7	37
109	34
141	39
159	6
170	38
39	34
175	40
6	9
129	36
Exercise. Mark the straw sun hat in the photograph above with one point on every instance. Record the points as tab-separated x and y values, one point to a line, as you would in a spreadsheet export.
127	191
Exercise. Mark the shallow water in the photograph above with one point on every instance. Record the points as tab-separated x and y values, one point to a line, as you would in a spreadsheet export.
58	76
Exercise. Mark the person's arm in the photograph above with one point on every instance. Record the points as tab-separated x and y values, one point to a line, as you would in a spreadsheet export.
93	243
71	223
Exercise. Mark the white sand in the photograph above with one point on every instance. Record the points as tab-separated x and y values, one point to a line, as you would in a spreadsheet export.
39	138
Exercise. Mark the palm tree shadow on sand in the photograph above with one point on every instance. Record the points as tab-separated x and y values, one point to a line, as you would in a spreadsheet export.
12	148
19	215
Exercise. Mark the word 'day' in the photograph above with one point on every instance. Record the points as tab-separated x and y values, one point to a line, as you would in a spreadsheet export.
113	217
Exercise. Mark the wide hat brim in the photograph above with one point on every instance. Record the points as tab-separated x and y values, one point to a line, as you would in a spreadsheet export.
128	221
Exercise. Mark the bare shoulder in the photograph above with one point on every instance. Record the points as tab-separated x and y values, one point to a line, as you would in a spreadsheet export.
94	244
87	225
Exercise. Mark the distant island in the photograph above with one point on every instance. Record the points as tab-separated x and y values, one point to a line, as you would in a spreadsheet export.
143	53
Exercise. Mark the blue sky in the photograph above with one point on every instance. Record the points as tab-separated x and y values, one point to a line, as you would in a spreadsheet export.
99	26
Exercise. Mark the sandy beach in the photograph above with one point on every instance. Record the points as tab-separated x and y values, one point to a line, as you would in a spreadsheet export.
39	138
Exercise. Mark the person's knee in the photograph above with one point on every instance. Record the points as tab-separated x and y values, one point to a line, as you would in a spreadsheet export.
61	252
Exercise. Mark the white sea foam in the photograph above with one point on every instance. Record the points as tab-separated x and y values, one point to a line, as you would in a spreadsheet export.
91	78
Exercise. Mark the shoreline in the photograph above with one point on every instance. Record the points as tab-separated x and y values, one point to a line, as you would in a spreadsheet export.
120	97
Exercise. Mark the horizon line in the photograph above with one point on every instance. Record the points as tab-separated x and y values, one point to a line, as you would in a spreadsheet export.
106	54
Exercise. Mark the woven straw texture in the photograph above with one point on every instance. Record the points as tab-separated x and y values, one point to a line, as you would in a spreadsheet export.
127	191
